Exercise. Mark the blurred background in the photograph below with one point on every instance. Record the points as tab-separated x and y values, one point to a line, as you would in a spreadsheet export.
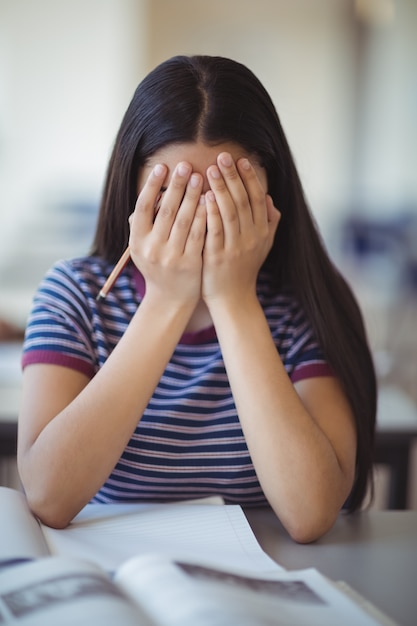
343	77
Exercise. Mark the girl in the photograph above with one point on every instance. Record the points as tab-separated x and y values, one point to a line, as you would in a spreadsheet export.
230	356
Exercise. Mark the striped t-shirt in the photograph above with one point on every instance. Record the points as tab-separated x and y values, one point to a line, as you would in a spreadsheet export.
188	443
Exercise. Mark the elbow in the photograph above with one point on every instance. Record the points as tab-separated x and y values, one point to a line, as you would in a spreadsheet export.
307	525
310	516
308	532
45	504
55	521
48	511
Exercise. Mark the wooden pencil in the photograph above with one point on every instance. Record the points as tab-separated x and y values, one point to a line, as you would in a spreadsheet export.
122	262
114	275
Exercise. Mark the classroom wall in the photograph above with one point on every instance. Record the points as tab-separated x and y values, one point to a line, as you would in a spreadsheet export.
67	71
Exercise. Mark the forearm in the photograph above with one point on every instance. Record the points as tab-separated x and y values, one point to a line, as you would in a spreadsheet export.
74	439
295	461
77	449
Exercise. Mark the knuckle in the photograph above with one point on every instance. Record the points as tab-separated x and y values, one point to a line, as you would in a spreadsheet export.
216	232
166	211
183	223
178	182
219	184
141	205
232	174
231	217
196	234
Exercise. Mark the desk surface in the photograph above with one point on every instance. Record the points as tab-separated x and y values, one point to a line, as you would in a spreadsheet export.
374	552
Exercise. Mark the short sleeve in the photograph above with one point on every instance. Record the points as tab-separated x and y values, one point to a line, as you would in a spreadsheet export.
305	358
59	325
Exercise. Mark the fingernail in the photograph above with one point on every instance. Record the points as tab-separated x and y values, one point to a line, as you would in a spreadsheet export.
214	172
194	180
158	170
245	164
183	169
225	159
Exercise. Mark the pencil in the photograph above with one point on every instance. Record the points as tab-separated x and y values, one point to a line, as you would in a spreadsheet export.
114	275
122	262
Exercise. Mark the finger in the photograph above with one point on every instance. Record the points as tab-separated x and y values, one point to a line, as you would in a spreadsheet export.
215	232
172	199
157	205
197	234
222	206
237	190
235	185
254	190
143	214
186	213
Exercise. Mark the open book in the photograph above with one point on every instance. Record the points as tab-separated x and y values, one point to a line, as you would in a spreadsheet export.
109	534
166	580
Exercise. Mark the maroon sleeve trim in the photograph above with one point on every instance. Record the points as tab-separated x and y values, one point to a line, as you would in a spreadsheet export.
311	370
56	358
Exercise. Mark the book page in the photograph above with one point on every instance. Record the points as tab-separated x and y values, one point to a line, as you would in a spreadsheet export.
185	594
57	592
109	534
20	533
364	603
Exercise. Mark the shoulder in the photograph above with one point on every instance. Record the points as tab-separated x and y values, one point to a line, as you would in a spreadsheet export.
81	270
66	318
79	278
72	285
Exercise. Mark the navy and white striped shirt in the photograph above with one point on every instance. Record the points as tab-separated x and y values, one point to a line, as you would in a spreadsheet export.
188	443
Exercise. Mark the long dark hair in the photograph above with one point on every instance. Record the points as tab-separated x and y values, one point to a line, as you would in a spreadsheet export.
217	100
